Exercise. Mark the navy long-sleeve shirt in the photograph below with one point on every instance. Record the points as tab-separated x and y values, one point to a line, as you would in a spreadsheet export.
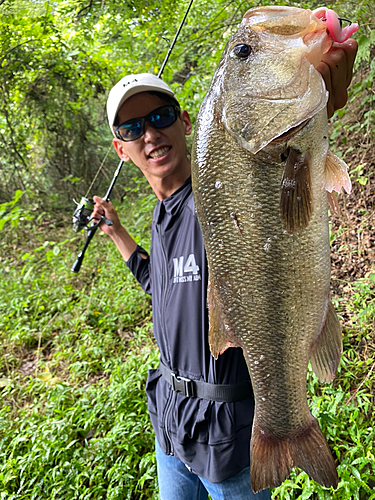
211	438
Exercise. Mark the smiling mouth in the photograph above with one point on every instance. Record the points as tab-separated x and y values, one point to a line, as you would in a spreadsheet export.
158	153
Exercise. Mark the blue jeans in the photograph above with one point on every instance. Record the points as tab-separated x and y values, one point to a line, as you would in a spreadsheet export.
177	483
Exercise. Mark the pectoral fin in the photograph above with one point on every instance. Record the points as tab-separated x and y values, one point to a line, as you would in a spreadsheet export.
336	174
295	192
333	203
327	348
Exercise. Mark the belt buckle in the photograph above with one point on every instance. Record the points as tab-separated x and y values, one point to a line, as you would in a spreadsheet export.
183	385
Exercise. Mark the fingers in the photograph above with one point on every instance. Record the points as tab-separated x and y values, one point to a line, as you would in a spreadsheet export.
340	59
99	208
336	69
325	71
105	208
351	49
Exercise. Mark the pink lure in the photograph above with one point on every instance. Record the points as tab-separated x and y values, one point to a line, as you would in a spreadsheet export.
337	33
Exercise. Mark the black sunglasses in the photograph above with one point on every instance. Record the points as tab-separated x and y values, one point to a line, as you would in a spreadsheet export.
159	118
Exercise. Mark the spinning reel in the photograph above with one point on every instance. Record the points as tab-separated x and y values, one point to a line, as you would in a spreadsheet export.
82	215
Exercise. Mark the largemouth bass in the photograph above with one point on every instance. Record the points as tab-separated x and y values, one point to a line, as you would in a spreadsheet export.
261	172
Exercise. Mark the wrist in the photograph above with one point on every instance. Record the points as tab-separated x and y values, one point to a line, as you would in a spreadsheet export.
116	232
123	241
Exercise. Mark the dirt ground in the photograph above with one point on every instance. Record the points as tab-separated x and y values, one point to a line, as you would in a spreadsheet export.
353	228
353	246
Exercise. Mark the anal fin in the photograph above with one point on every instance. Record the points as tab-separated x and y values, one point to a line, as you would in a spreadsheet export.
295	192
217	336
272	457
327	349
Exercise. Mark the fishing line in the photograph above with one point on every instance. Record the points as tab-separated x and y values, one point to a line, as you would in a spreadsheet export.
99	170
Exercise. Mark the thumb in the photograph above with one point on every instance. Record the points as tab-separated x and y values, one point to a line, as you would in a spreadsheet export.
100	201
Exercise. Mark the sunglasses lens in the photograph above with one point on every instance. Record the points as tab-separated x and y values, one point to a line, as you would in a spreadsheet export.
163	117
159	118
130	131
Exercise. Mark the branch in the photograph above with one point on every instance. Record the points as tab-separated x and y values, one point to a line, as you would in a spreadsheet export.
82	10
13	48
361	384
15	169
15	149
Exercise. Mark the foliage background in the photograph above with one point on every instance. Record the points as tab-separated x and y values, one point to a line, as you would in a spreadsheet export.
75	350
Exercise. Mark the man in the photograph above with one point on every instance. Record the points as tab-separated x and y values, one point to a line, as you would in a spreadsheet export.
201	408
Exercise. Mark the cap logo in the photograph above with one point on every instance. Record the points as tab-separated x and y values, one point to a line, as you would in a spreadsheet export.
128	83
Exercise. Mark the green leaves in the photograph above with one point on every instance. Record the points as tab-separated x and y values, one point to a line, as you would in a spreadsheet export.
74	354
74	350
60	60
80	441
13	213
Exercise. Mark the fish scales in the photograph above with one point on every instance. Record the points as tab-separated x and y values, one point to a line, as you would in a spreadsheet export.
274	264
258	183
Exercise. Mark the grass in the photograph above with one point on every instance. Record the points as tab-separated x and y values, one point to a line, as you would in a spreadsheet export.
345	407
74	355
85	441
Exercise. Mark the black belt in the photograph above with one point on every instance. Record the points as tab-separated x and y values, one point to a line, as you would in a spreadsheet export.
224	393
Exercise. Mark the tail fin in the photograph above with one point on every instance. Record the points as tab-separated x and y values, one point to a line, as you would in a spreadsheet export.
273	458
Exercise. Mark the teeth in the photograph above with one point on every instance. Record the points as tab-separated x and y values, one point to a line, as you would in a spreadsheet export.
160	152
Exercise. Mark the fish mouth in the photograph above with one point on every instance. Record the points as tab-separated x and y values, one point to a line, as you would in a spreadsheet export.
292	131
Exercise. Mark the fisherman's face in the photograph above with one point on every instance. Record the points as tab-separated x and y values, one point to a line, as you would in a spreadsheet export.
159	153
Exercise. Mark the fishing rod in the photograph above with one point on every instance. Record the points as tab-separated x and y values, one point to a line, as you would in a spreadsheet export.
82	214
174	40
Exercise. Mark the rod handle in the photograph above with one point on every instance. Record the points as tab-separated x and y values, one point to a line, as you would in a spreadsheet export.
77	264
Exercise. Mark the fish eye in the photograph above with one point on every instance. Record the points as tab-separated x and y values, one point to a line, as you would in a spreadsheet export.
242	50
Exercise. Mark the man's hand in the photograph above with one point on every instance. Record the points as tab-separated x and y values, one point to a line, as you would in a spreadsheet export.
106	208
121	238
336	67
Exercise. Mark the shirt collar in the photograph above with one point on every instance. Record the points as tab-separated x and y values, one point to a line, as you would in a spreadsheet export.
172	205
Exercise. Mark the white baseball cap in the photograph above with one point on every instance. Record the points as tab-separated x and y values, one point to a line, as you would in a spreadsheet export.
131	85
